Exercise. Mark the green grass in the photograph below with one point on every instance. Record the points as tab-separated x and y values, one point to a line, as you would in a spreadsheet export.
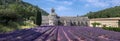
117	29
15	26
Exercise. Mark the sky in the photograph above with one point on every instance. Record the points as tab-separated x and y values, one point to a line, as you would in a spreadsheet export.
74	7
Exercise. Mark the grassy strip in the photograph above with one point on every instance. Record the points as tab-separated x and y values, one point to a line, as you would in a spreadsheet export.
15	26
117	29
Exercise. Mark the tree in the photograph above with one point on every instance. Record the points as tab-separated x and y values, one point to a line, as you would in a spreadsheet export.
119	23
15	13
38	18
96	24
7	15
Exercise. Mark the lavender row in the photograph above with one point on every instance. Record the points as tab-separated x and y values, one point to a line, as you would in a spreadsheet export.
61	33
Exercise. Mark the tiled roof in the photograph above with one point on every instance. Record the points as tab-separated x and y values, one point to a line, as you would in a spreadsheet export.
74	18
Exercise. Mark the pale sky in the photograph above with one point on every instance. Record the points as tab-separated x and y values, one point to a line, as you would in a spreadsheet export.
74	7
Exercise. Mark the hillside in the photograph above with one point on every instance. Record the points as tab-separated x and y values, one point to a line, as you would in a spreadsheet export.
20	2
106	13
15	14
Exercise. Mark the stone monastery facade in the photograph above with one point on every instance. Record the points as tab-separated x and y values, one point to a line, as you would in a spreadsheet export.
54	20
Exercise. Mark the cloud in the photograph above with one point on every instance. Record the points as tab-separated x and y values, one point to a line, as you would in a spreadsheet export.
61	2
115	2
51	0
86	5
58	8
96	3
101	3
71	7
62	8
67	2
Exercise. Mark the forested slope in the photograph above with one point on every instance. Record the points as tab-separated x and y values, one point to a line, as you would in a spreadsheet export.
16	13
106	13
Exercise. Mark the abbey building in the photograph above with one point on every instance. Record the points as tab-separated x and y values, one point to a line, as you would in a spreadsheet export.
55	20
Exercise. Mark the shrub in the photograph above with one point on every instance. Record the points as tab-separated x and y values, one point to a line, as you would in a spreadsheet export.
95	24
112	29
4	29
13	25
119	23
104	25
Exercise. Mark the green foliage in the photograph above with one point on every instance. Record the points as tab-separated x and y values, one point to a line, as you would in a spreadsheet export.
104	25
13	25
13	13
95	24
38	18
10	27
112	29
119	23
17	10
109	12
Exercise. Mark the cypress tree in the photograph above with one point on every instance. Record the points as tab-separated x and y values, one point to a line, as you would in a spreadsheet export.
38	18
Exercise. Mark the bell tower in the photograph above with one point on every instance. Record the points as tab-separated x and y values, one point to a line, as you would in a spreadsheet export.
53	18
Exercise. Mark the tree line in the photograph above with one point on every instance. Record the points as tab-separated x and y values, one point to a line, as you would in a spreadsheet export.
11	10
15	13
106	13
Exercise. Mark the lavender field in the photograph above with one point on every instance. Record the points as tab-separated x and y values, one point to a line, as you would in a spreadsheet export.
61	33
